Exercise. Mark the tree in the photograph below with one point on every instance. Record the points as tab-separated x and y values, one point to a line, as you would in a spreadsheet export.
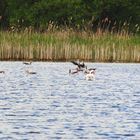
71	13
3	14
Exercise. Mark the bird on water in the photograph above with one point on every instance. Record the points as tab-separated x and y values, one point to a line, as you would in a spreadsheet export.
2	71
27	63
30	72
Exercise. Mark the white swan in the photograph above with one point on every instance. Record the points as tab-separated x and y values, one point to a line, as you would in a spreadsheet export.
90	74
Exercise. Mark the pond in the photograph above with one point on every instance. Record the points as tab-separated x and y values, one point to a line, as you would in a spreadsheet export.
55	105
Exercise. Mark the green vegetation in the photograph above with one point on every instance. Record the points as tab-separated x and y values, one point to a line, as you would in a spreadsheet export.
65	45
77	14
91	30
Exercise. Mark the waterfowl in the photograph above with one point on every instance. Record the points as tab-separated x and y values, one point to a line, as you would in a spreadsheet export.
90	70
30	72
27	63
73	71
79	64
2	71
90	74
80	67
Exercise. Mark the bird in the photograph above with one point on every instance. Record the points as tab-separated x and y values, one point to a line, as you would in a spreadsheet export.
79	64
90	74
30	72
74	71
90	70
27	63
2	71
80	67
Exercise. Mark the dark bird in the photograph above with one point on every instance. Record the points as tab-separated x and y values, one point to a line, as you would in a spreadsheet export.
80	67
90	69
2	71
27	63
79	64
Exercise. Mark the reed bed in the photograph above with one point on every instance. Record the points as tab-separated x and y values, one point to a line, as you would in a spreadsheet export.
66	45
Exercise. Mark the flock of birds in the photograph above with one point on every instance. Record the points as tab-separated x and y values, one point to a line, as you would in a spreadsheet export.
81	67
27	71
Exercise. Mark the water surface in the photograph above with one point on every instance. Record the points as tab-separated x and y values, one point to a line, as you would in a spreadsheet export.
55	105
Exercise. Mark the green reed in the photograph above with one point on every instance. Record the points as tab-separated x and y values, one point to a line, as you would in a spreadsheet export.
65	45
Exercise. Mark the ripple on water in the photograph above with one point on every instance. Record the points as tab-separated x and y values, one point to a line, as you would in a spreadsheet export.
55	105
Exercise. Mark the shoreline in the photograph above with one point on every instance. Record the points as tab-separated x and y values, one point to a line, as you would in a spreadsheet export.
60	61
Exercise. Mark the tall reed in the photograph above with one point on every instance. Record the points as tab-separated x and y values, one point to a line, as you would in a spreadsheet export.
65	45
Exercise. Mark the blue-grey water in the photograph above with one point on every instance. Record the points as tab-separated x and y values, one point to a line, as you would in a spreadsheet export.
55	105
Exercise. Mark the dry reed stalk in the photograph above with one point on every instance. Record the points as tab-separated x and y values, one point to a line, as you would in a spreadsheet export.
66	45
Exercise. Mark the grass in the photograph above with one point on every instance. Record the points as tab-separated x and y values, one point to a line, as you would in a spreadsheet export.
65	45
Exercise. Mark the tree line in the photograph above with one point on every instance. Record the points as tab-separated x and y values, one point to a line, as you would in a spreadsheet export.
77	14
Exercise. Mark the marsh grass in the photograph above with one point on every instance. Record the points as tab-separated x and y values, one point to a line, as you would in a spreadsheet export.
65	45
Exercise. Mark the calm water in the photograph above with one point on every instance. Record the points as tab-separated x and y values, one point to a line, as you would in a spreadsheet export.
55	105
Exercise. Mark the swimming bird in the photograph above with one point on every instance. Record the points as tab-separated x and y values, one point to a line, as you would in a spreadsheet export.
2	71
30	72
73	71
90	74
27	63
91	69
80	67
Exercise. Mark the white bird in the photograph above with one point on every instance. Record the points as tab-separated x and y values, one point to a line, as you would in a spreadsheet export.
30	72
90	74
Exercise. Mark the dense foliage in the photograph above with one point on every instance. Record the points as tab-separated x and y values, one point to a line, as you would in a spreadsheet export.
79	14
